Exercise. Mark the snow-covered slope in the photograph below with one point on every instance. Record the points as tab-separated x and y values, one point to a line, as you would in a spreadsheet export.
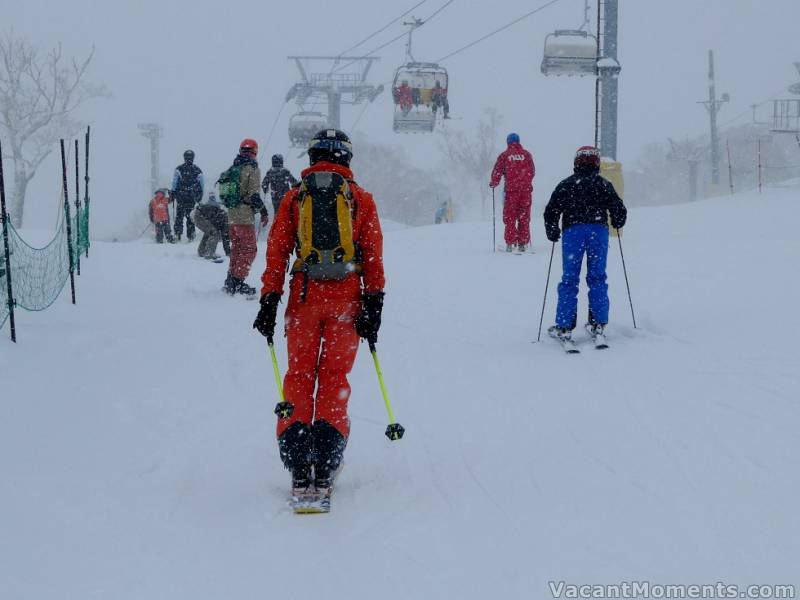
138	457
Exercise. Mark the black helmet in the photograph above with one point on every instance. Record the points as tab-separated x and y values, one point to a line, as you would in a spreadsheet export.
277	160
188	156
331	145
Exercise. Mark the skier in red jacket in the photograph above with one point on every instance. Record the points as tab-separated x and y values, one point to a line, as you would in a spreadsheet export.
516	164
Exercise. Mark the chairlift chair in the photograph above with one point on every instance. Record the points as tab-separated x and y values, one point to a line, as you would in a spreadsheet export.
418	116
304	125
570	52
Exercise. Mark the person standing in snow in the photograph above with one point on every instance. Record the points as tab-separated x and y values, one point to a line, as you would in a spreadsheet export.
240	193
516	165
187	191
583	202
212	220
334	297
277	181
159	216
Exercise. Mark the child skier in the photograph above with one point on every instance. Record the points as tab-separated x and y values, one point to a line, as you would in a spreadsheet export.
583	202
335	296
159	216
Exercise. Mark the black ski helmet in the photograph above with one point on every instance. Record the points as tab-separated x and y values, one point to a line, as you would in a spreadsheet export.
330	145
188	156
277	160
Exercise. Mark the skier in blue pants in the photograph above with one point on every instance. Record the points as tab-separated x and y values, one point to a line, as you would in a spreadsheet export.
583	203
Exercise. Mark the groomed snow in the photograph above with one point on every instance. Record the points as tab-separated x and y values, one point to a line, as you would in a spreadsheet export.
138	457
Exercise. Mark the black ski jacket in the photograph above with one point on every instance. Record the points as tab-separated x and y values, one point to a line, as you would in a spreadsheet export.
277	182
583	198
187	184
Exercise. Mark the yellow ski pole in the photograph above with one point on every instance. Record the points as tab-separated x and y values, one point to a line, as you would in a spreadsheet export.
394	431
283	409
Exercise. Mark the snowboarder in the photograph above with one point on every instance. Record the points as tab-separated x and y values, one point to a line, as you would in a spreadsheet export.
187	191
583	202
277	181
240	194
159	216
516	164
212	220
335	297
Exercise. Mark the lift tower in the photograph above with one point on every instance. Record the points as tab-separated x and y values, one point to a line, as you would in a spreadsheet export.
154	133
608	69
344	81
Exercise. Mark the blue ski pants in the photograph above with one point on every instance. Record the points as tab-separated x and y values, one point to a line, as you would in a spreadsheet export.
576	241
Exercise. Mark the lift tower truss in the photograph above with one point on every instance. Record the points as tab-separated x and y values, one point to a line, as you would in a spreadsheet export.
344	81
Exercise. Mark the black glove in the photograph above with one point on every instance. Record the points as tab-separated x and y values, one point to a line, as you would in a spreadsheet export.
553	234
368	321
265	321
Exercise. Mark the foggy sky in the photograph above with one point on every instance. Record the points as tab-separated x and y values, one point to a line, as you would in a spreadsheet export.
213	73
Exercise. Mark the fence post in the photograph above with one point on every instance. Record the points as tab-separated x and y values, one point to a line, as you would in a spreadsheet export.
69	224
759	165
77	213
730	166
7	252
86	187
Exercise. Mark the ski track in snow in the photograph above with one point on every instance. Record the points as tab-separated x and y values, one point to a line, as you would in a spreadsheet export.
137	433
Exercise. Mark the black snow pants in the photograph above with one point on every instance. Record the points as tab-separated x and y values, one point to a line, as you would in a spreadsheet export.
183	210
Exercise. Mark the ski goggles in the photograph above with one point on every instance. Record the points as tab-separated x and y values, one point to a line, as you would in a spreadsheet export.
331	145
588	153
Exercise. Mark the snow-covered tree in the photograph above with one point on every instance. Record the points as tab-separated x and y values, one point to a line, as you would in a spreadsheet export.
472	155
39	93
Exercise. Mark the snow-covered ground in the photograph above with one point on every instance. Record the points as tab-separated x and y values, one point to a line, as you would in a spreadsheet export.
138	457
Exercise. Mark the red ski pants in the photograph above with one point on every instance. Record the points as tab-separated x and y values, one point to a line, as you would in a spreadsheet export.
243	249
322	344
517	217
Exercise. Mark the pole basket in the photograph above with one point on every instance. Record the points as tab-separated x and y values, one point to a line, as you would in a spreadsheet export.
395	431
284	409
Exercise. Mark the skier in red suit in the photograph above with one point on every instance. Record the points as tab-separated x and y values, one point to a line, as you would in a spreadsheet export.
516	164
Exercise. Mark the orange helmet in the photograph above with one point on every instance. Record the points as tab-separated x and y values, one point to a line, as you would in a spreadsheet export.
248	146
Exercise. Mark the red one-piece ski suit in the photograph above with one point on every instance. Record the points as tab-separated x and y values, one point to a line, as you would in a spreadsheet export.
321	337
516	164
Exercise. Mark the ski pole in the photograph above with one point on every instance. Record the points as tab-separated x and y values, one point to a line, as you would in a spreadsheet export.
494	225
546	286
625	270
394	431
283	409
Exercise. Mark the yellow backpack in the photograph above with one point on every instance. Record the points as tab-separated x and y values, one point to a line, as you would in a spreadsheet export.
325	246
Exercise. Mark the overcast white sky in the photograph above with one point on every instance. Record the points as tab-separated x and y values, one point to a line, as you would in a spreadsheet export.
212	73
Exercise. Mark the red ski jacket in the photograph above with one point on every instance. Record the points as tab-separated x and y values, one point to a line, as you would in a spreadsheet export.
367	235
516	164
158	208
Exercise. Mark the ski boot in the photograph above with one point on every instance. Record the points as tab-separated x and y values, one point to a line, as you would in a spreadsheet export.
231	285
564	336
245	290
598	333
522	247
304	495
509	247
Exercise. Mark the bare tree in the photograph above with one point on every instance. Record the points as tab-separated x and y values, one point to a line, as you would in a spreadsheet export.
38	96
473	155
404	193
